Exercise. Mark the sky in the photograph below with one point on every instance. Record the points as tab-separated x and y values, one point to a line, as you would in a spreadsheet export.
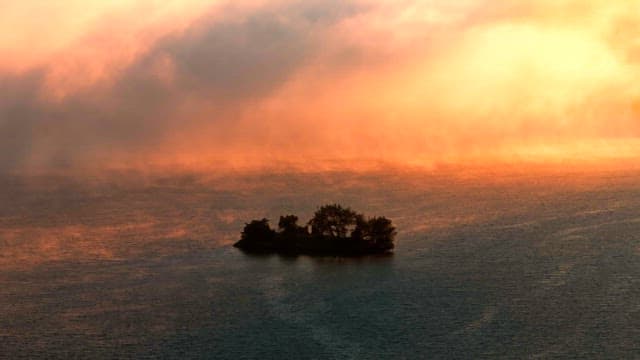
316	83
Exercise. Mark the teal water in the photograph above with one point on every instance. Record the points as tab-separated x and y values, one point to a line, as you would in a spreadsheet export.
501	266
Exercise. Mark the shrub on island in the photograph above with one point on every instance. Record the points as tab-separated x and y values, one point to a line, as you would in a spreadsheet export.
333	230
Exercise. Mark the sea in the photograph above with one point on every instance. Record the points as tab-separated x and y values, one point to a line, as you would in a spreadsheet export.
511	264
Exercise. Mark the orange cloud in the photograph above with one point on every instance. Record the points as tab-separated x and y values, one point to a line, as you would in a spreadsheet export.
257	82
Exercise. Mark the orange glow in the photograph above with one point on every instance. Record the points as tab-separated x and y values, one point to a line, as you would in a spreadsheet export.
409	82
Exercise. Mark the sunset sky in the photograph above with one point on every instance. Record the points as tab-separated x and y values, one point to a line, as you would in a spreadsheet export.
211	84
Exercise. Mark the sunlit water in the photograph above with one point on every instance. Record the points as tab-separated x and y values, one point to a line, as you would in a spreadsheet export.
487	266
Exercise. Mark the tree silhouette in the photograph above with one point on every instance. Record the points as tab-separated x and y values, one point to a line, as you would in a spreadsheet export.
258	229
288	224
335	230
333	221
379	233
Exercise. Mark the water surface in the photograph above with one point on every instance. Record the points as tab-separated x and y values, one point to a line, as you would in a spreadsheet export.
510	265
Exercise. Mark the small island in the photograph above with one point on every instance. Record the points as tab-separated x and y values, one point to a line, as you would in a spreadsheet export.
333	231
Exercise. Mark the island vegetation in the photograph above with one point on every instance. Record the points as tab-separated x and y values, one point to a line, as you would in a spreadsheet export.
333	230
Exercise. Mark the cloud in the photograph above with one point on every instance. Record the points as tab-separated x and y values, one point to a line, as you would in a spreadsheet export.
264	81
216	63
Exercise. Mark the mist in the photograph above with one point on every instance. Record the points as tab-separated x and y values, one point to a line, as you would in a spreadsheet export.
262	84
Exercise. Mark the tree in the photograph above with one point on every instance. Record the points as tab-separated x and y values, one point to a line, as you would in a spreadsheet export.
376	233
333	221
361	230
288	224
335	230
381	233
258	230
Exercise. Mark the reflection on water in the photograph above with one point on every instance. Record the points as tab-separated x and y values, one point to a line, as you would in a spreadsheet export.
540	266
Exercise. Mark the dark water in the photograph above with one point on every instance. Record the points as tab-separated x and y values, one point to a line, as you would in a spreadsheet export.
487	266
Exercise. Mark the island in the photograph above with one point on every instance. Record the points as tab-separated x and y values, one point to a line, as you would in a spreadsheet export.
333	231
